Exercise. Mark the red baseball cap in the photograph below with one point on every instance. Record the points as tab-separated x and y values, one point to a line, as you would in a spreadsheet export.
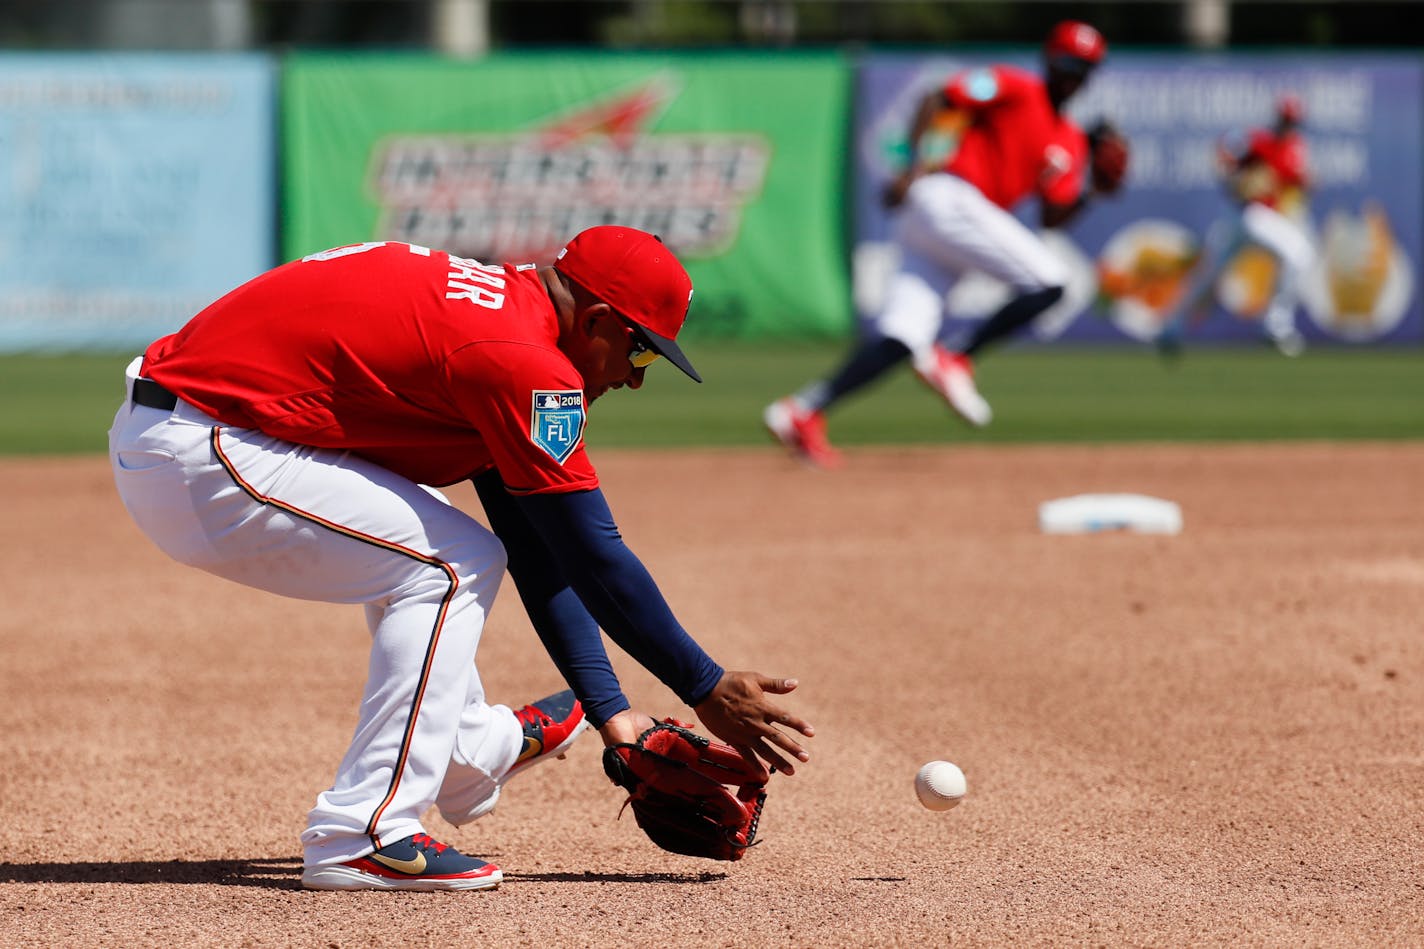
1289	109
1075	40
636	274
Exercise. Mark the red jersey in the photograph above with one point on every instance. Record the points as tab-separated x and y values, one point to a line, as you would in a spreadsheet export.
1284	157
1016	144
430	365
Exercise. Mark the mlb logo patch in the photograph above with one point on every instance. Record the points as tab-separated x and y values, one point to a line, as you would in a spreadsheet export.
557	423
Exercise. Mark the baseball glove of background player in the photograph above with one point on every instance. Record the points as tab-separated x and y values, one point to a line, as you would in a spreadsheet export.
678	786
1110	155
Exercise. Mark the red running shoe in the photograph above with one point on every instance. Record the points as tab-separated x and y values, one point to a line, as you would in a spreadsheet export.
952	376
802	432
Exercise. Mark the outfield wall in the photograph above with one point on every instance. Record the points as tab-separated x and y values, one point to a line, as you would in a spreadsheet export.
135	188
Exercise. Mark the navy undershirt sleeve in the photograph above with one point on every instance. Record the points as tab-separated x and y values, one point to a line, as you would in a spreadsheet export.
574	574
568	632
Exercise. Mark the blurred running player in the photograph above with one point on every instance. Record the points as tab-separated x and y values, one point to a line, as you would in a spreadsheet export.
1268	180
957	218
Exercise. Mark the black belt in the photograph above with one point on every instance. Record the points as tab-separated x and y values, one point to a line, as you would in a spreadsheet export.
149	393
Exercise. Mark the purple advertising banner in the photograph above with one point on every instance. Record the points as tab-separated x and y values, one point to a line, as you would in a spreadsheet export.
1139	256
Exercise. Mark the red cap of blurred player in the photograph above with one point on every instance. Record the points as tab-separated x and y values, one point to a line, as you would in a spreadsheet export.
1075	40
634	273
1289	109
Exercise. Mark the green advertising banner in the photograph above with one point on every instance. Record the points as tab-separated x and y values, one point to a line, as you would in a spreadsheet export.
736	161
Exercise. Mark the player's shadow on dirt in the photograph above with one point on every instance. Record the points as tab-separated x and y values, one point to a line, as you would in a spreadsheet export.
278	873
706	876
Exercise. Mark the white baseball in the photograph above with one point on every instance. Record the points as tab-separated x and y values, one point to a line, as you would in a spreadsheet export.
940	785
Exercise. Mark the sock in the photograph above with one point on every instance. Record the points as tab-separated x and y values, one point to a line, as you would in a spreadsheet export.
867	363
1013	315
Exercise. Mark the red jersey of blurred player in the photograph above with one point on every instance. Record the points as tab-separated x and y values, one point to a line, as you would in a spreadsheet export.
1017	142
1271	169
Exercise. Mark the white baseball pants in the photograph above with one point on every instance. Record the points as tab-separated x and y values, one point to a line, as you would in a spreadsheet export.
317	524
1277	235
1284	240
945	229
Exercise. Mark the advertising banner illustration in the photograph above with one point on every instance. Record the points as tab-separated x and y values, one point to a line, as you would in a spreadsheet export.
736	162
1139	257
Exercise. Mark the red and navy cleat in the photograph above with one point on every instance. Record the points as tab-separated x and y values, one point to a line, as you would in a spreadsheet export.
551	725
549	728
415	863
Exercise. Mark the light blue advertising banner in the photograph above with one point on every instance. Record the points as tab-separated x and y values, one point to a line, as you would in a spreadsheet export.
1174	234
134	190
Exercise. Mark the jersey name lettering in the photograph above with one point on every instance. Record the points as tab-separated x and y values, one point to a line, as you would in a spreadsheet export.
476	282
336	253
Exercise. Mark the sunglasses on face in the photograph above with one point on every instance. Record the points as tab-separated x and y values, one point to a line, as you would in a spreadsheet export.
640	354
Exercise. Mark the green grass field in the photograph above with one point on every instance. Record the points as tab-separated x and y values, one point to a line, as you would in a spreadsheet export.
63	404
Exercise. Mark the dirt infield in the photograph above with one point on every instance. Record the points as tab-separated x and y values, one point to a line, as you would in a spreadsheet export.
1209	739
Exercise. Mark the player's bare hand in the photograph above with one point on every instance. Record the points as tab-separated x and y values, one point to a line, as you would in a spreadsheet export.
740	712
625	727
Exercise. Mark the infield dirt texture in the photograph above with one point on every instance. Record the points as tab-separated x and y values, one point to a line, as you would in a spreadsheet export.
1207	739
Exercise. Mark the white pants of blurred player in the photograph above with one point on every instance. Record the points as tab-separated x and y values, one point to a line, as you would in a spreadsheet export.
317	524
1289	246
946	229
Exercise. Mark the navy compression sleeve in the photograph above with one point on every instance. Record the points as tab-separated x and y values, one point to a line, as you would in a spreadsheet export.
568	632
578	529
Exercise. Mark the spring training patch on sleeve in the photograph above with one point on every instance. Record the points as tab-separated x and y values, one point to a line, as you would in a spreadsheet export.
557	421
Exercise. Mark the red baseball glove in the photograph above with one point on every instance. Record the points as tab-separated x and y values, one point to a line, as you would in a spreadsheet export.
679	786
1110	155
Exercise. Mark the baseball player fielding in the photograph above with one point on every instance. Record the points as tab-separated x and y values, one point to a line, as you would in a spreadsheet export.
940	785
